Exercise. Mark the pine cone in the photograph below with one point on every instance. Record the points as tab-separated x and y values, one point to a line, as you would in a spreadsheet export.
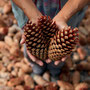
48	27
38	36
63	43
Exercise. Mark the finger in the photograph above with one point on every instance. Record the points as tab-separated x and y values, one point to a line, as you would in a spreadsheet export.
39	62
63	59
23	39
57	62
48	61
34	59
31	56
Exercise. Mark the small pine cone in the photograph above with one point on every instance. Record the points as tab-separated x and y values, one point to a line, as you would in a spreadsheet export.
63	43
35	42
48	27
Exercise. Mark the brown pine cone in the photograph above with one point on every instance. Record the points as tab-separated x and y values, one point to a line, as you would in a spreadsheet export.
34	41
63	43
48	27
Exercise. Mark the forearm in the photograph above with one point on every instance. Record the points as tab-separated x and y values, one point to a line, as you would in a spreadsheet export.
29	9
70	8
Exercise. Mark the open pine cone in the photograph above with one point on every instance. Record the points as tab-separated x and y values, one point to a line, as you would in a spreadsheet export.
45	40
62	43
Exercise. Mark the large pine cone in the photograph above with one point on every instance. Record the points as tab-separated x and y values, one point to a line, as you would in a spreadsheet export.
62	43
46	41
48	27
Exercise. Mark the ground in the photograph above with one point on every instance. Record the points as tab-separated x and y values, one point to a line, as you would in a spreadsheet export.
15	69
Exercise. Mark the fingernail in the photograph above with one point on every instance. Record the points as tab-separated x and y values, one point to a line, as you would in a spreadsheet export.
63	59
41	63
22	41
56	63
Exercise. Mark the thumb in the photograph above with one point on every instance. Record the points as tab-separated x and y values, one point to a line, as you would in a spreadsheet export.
22	40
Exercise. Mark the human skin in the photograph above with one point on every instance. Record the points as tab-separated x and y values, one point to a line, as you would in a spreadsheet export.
69	9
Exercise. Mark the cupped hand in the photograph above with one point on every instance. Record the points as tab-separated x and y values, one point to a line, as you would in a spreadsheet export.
61	23
34	59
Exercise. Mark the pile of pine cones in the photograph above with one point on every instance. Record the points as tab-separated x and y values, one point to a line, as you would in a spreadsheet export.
15	70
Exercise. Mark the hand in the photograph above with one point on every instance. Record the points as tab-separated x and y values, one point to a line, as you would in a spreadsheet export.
34	59
61	23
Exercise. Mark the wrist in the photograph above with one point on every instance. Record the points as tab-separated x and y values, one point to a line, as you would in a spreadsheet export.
61	22
35	18
60	17
31	10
